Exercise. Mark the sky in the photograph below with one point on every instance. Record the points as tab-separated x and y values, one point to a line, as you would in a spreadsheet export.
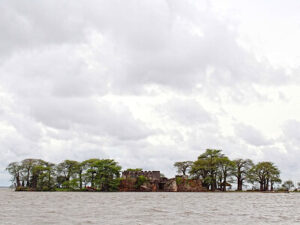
149	82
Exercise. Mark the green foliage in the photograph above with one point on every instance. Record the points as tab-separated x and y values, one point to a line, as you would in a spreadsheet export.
266	174
288	185
224	169
39	175
140	181
207	167
241	171
179	180
14	169
214	169
183	167
135	170
102	174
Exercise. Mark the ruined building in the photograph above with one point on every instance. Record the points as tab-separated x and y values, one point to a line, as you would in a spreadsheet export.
152	181
150	175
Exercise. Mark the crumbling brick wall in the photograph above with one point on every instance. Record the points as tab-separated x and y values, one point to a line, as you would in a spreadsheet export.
150	175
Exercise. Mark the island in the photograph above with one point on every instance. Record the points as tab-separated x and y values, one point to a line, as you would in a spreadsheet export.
211	171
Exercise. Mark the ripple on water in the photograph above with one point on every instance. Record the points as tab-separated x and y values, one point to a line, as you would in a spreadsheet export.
148	208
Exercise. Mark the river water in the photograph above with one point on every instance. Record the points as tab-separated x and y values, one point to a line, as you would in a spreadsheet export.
148	208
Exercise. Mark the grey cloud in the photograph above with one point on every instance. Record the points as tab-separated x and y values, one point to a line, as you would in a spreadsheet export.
188	112
89	116
156	41
184	59
28	26
60	60
60	72
251	135
291	130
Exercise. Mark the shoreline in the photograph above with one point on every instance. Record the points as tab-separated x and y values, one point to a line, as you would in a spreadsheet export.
97	191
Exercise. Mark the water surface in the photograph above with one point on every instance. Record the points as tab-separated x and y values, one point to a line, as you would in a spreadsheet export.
38	208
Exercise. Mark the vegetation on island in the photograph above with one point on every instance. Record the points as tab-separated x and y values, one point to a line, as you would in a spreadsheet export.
213	168
91	174
218	172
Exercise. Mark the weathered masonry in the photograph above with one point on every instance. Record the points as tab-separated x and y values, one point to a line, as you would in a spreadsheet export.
152	181
151	175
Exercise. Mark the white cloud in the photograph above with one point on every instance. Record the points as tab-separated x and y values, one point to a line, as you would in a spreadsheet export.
148	83
251	135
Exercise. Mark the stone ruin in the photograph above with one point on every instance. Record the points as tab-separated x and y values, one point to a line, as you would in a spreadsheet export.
156	183
150	175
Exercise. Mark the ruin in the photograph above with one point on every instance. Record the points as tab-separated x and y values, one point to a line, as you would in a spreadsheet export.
151	175
152	181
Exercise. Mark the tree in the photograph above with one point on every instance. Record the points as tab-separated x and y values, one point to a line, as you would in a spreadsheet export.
265	173
206	167
107	174
79	170
14	169
288	184
40	175
225	167
43	176
89	168
66	170
102	174
34	174
183	167
240	171
274	177
27	166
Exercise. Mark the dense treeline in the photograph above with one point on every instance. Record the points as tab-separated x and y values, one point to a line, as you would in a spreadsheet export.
217	171
93	174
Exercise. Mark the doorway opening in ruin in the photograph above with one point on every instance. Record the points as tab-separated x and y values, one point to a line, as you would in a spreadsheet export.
161	186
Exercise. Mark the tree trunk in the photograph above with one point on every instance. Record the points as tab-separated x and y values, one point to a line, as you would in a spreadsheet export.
240	184
92	180
49	179
80	180
272	186
261	186
213	185
28	174
18	180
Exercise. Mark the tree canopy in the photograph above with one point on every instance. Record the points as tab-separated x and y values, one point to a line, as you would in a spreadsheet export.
37	174
216	171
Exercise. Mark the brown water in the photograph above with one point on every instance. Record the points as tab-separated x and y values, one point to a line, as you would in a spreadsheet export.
148	208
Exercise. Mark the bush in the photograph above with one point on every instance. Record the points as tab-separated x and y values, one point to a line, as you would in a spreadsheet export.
140	181
179	180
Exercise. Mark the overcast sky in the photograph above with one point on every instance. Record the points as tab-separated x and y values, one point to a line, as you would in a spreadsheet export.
148	83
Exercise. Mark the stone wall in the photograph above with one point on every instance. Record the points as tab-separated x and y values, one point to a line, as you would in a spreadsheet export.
177	184
190	185
128	184
150	175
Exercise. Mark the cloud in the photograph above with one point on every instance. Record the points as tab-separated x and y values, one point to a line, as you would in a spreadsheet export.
167	43
147	83
291	130
188	112
251	135
30	26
